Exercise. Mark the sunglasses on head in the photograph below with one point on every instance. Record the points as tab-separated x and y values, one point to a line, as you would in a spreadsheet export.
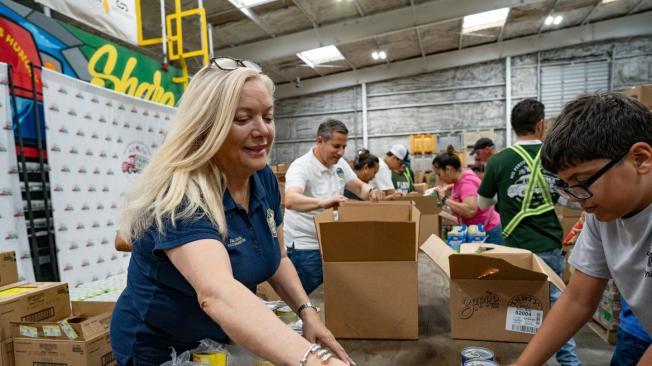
229	64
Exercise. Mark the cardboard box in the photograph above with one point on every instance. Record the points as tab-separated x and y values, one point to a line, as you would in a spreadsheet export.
567	224
498	295
7	352
37	301
8	268
429	210
370	270
567	212
47	343
642	93
420	187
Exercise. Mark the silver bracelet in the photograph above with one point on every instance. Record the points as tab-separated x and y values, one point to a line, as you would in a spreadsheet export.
322	353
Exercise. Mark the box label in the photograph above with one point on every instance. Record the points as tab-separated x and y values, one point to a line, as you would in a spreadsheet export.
52	331
68	330
25	331
523	320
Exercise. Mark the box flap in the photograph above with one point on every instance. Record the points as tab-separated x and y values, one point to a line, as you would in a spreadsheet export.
478	266
438	251
368	241
427	205
552	276
375	211
92	308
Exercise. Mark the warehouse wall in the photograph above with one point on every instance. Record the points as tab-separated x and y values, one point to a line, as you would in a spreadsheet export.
447	101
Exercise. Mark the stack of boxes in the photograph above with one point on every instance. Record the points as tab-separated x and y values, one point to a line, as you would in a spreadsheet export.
36	326
279	171
608	312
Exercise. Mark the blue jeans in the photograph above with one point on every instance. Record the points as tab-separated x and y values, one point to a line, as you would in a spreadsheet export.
567	355
495	235
309	268
629	349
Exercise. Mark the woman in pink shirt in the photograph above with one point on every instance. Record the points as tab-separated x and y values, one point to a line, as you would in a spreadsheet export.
463	184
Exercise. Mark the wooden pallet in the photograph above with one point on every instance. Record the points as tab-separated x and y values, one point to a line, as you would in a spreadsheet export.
608	335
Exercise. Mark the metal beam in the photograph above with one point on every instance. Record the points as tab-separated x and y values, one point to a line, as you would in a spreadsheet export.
416	29
299	4
502	29
358	7
254	18
369	26
588	15
633	9
630	26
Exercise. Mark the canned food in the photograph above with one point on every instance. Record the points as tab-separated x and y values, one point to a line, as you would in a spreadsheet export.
480	363
210	359
476	354
260	362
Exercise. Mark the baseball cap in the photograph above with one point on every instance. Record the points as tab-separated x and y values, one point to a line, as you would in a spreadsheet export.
399	151
481	144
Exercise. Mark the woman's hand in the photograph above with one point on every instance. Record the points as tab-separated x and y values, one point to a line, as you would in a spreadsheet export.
443	190
316	332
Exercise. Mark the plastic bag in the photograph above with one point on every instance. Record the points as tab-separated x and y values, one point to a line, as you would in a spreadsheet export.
208	349
183	359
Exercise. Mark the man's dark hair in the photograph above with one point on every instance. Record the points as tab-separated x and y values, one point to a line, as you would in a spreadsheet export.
364	158
595	126
525	116
330	126
447	158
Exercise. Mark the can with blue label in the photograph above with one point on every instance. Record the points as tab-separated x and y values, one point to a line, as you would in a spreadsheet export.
476	354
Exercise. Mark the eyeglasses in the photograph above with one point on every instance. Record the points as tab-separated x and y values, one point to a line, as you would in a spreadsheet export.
229	64
581	191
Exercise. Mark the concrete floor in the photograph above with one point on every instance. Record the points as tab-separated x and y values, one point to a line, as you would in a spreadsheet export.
591	349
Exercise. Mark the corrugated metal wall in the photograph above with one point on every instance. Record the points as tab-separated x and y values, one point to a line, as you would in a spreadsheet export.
450	101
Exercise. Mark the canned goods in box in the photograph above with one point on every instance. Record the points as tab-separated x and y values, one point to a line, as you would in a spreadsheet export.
476	353
210	359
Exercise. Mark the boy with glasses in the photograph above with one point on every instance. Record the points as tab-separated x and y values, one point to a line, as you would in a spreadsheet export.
601	147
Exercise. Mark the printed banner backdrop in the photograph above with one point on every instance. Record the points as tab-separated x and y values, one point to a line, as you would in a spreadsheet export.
116	18
27	36
98	141
13	232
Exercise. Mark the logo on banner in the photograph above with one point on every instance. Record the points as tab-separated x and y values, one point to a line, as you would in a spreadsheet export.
134	158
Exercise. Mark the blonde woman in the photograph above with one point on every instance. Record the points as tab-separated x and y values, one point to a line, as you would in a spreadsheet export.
206	227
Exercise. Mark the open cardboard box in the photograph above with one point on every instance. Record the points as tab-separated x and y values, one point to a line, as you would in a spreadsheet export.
81	339
501	294
429	210
370	269
8	268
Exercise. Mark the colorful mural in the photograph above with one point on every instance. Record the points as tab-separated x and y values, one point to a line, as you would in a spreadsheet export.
28	36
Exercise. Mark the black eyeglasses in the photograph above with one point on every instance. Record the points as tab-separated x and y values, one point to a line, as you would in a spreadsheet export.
229	64
581	191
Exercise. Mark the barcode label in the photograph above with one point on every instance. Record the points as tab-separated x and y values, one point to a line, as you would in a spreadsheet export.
523	320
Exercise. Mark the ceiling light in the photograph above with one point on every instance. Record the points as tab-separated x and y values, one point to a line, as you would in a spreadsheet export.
607	1
557	20
382	55
248	3
320	55
549	20
487	19
375	55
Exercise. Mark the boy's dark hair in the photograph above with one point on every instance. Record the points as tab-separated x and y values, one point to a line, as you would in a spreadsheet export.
330	126
364	158
525	116
447	158
595	126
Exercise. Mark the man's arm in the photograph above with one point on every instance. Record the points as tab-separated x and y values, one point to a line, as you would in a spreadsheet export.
573	309
646	360
297	201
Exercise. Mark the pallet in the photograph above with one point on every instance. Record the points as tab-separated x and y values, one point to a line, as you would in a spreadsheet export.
608	335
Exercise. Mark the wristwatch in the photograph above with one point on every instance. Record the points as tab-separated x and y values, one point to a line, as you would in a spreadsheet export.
305	306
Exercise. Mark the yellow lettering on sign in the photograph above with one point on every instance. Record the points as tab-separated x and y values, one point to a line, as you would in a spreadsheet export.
15	46
126	83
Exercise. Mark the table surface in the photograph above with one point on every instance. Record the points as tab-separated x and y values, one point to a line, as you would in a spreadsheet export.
434	346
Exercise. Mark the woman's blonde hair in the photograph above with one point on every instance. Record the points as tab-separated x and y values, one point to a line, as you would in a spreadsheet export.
183	177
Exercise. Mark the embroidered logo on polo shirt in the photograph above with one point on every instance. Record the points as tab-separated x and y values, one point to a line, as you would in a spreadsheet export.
271	222
340	173
648	268
234	242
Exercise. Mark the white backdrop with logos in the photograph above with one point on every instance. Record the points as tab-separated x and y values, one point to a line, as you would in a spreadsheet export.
98	141
116	18
13	231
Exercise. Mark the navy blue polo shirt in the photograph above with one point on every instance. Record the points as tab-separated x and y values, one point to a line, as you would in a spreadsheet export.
159	308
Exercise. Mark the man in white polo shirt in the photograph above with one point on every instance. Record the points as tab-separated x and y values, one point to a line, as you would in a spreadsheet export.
315	182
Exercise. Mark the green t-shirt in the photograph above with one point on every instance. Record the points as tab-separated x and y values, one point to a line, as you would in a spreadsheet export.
507	175
403	183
